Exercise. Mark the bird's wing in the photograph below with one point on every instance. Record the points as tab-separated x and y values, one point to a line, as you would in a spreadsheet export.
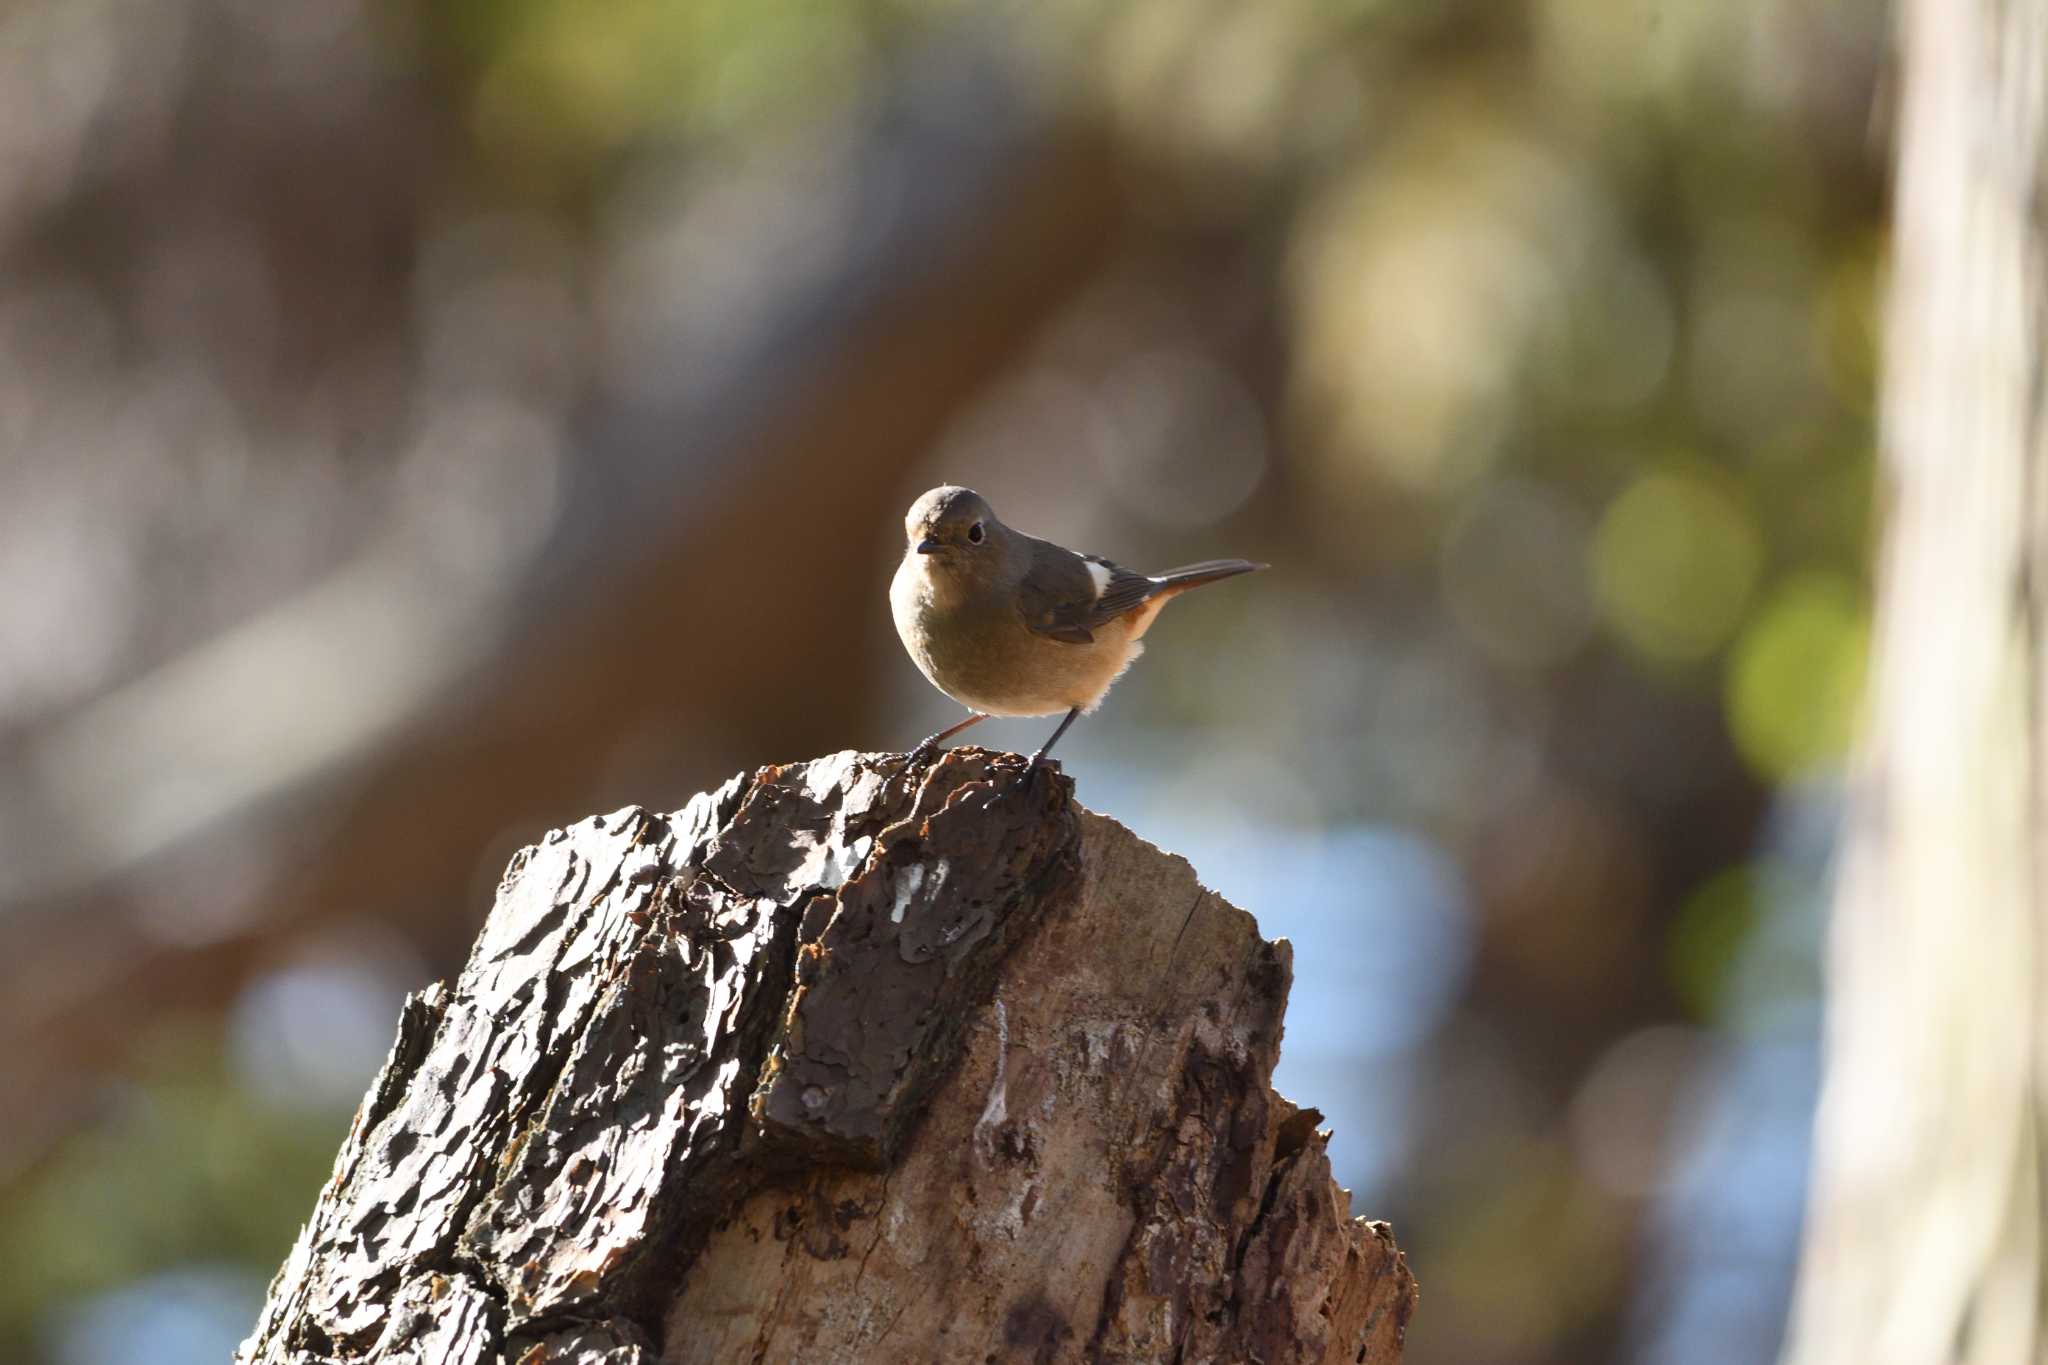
1065	596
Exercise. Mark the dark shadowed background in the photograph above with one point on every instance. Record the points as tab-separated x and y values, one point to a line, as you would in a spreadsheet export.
424	424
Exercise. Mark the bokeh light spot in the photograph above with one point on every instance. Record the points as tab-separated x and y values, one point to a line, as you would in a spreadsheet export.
1796	678
310	1034
1513	574
1848	324
180	1317
1708	936
1628	1110
1675	560
1189	447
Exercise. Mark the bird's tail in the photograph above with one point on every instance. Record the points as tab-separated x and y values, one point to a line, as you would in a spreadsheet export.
1208	571
1171	584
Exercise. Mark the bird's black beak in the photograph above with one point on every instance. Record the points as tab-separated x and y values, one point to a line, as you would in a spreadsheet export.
927	546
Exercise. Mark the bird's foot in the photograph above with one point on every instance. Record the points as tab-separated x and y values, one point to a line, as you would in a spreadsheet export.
1036	774
928	747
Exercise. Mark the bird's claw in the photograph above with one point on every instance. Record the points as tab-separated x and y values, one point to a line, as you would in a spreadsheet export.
922	753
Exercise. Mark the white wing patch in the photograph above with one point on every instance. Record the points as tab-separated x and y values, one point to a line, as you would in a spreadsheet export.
1100	573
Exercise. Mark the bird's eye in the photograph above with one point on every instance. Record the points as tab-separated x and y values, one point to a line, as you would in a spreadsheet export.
975	533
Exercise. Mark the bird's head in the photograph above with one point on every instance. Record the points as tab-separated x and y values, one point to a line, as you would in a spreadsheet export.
955	530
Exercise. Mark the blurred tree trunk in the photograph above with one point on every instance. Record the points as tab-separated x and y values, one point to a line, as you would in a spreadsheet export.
1925	1239
837	1064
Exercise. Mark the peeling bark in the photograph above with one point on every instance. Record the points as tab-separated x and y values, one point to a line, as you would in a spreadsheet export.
843	1063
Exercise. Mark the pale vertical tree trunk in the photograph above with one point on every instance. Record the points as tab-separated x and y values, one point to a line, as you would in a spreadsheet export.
1925	1233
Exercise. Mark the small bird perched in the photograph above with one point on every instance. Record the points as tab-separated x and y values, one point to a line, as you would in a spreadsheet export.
1010	625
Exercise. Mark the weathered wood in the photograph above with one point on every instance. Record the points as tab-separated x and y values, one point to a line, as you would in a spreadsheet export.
847	1063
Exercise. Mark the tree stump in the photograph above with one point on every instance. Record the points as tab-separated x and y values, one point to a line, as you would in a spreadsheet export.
843	1062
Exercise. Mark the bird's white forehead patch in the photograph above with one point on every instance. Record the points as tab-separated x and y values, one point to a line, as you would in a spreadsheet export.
1100	573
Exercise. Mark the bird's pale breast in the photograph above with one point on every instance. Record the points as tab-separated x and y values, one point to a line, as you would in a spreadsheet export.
975	648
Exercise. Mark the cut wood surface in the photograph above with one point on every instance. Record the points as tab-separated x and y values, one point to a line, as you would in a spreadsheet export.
843	1062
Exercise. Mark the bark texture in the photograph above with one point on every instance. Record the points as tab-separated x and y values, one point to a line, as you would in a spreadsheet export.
1926	1232
842	1062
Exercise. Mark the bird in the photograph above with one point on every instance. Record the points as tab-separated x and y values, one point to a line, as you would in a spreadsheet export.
1007	624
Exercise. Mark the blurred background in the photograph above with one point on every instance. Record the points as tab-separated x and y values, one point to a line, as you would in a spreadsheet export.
422	424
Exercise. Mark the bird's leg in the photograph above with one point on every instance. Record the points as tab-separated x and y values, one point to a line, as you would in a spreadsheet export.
1034	770
923	752
1038	758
